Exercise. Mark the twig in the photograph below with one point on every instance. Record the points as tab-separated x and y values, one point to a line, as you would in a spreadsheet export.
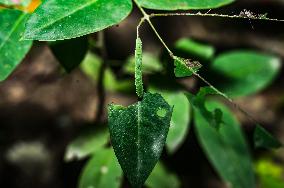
147	18
100	84
240	16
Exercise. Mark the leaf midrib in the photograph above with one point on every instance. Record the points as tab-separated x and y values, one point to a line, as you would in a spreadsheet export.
138	138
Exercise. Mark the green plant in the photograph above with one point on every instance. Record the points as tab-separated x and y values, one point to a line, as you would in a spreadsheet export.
139	132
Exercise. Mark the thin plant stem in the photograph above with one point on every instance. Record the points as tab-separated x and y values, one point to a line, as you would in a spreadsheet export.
252	17
139	25
160	38
221	94
147	18
226	97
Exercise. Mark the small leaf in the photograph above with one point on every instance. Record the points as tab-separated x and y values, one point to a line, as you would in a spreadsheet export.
91	66
161	177
267	167
151	64
138	68
61	19
70	53
263	139
12	50
196	49
183	4
245	72
86	144
185	67
138	134
101	171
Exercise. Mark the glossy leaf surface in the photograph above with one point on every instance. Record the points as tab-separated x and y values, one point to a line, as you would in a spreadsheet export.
70	53
12	50
138	134
101	171
183	4
61	19
245	72
263	139
224	144
85	144
161	177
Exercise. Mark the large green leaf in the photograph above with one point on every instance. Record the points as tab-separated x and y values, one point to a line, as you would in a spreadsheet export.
85	144
226	149
70	53
182	4
263	139
61	19
245	72
12	50
101	171
138	134
224	145
161	177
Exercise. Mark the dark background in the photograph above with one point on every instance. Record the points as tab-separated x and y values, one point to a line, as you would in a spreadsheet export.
42	110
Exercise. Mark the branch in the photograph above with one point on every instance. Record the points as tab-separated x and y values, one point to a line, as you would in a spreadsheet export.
245	14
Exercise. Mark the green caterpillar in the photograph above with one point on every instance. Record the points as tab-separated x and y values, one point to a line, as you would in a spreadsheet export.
138	68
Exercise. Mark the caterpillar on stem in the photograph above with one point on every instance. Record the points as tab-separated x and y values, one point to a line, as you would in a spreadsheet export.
138	69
